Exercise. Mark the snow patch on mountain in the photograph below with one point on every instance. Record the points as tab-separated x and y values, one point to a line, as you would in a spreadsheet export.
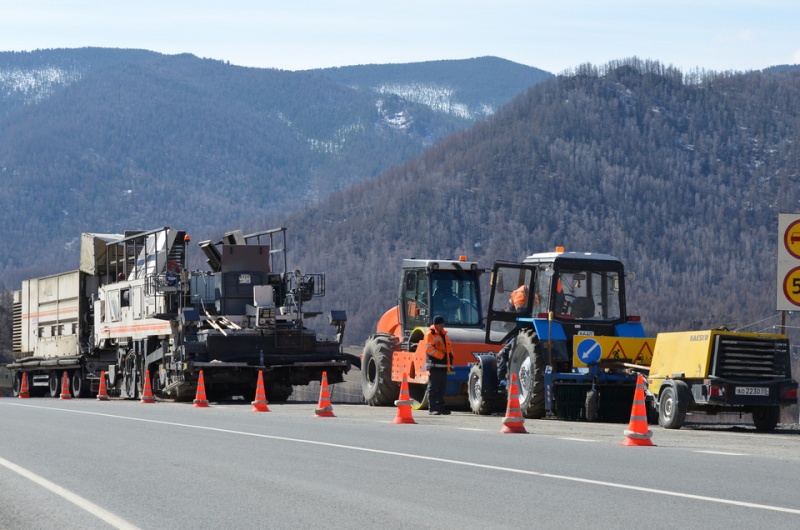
438	98
36	85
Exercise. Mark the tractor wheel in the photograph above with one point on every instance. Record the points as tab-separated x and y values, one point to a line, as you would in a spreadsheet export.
477	403
671	412
526	361
592	405
766	418
376	372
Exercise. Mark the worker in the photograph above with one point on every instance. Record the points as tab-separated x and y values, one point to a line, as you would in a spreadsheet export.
439	355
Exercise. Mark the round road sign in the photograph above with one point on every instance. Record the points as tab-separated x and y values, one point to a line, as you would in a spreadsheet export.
791	239
590	351
791	286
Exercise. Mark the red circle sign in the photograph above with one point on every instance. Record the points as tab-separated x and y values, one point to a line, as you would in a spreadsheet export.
791	239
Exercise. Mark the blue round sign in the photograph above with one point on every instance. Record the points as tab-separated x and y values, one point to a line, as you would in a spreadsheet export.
589	351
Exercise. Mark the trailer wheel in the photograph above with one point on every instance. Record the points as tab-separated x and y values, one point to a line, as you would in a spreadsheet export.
477	403
54	383
17	385
671	412
526	361
376	372
278	393
79	386
592	405
766	418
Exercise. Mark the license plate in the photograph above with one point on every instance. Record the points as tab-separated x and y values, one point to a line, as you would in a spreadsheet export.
752	391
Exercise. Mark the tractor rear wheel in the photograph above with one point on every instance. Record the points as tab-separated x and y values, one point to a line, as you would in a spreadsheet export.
526	361
376	371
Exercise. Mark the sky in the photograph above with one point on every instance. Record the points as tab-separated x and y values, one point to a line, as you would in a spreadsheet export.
554	35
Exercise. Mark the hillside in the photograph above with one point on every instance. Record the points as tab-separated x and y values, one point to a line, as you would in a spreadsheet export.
107	140
470	90
682	179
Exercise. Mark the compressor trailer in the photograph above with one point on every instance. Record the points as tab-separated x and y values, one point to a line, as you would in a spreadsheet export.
134	308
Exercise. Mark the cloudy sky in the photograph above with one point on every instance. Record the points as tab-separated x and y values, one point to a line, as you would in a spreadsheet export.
301	34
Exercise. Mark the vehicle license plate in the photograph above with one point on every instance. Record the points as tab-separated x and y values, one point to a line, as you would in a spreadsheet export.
752	391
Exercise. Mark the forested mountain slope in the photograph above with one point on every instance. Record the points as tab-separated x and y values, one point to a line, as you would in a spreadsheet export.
107	140
682	179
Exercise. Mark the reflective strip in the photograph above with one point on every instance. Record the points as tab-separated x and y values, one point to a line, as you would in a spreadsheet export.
402	402
638	435
323	409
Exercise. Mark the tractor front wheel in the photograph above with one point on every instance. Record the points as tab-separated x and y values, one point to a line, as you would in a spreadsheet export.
376	372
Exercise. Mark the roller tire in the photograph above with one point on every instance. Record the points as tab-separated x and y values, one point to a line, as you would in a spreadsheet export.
377	386
526	361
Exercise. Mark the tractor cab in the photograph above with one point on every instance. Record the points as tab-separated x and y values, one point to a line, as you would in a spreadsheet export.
440	287
583	293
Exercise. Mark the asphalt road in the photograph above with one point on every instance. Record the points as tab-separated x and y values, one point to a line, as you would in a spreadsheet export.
89	464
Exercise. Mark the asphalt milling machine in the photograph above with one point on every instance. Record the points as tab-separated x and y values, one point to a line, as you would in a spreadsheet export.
133	307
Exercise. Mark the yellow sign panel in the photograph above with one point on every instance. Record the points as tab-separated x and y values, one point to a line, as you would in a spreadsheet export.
622	349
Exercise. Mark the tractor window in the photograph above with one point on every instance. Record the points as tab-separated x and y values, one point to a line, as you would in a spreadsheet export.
511	291
456	297
415	299
587	295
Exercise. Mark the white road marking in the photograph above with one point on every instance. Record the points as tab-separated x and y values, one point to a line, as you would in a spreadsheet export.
580	480
579	439
721	453
77	500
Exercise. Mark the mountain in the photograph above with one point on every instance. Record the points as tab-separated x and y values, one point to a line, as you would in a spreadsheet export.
681	177
470	90
107	140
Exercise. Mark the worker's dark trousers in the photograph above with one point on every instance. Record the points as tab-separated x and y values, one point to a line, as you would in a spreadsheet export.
436	385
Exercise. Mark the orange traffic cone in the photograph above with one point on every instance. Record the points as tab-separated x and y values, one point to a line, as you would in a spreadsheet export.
23	388
404	404
513	422
102	393
324	408
147	395
637	432
260	404
200	398
65	387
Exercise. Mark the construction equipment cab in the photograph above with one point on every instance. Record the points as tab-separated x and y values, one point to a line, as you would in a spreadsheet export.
428	287
573	341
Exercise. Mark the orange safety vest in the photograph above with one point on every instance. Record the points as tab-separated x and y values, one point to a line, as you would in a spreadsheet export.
519	298
438	347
